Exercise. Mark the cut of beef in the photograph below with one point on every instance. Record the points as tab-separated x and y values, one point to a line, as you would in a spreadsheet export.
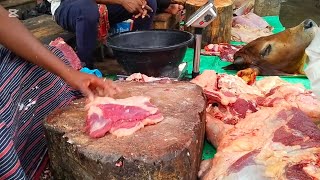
120	117
245	34
261	131
138	77
224	50
68	52
250	20
268	144
230	98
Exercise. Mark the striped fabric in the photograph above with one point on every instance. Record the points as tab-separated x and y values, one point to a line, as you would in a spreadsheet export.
27	94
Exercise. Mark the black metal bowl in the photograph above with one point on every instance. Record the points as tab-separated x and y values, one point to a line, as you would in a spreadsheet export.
150	52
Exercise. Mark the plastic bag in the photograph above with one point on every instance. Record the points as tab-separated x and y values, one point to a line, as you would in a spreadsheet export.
121	27
313	64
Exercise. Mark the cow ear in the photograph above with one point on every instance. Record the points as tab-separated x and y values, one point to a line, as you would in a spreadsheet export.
266	51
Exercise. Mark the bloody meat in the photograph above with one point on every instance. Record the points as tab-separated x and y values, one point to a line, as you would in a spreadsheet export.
120	117
261	131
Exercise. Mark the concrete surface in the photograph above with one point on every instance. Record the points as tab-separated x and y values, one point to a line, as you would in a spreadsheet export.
293	12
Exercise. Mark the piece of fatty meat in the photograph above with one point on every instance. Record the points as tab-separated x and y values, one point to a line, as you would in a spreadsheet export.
120	117
68	52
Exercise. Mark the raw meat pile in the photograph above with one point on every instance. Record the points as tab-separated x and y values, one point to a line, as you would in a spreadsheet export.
68	52
248	27
120	117
243	7
224	50
250	20
138	77
262	131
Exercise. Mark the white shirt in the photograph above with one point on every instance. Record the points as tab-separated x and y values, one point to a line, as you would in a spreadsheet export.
54	5
312	70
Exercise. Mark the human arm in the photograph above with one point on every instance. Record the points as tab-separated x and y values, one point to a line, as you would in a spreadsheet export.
15	37
137	7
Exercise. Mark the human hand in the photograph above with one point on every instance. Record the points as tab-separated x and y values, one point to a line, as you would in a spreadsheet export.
146	8
138	7
92	86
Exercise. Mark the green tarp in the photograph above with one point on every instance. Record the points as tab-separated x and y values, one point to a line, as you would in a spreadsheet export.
215	63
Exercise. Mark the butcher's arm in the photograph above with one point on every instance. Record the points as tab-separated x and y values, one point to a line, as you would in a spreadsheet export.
17	38
132	6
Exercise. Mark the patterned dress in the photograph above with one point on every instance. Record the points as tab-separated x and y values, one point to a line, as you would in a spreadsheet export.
28	94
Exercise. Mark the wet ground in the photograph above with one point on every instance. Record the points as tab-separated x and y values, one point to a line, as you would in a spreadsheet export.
295	11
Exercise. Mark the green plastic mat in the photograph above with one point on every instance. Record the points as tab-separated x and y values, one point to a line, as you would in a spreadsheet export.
215	63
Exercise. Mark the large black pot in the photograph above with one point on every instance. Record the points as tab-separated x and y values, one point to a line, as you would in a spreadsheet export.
151	52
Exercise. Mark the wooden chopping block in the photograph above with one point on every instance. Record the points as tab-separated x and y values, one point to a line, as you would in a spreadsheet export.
219	31
171	149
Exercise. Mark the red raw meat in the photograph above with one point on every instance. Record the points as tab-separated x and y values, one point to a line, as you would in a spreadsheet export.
68	52
229	96
273	143
120	117
232	97
224	50
261	131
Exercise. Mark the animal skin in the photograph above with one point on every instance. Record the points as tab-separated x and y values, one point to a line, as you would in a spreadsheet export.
278	54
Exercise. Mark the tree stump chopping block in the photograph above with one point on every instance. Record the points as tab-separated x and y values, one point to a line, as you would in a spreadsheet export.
171	149
219	31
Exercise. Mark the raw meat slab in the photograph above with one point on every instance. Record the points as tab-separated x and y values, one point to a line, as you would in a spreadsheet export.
171	149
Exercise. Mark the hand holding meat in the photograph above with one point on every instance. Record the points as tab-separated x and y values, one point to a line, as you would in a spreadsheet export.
92	86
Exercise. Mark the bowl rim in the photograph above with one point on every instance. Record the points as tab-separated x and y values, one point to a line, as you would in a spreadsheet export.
186	43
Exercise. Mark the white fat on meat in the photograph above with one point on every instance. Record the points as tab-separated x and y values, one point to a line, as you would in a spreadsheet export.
99	123
267	130
248	27
256	131
268	83
207	80
126	132
251	172
312	170
250	20
130	101
245	34
236	85
144	78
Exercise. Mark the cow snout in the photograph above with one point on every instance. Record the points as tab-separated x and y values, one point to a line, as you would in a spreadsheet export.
309	24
